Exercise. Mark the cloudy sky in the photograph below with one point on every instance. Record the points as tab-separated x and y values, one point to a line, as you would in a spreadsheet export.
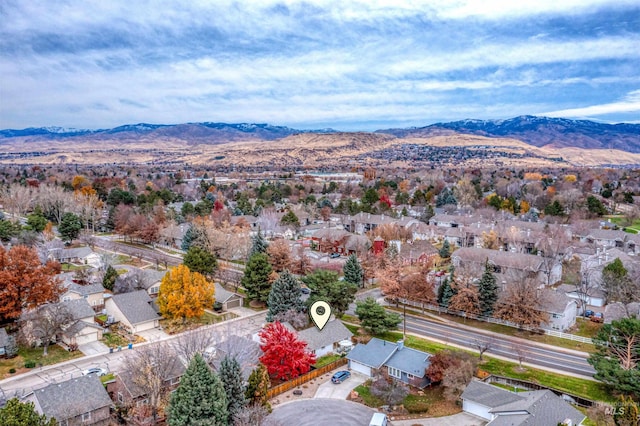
344	64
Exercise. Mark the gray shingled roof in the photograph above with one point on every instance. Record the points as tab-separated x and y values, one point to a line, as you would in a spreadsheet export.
4	337
374	354
79	252
520	261
72	398
79	308
541	407
411	361
135	306
86	290
334	331
222	295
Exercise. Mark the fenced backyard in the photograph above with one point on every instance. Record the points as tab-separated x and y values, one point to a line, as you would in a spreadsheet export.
300	380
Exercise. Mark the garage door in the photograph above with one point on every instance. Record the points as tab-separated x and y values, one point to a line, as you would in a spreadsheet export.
234	303
87	338
476	409
356	366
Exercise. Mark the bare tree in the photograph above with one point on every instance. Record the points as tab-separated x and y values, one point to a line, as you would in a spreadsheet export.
151	367
44	323
483	345
552	247
457	378
520	353
522	303
252	415
18	199
135	279
55	201
196	341
279	255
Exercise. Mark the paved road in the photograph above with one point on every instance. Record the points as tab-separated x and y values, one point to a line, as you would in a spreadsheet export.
318	412
503	346
147	254
113	362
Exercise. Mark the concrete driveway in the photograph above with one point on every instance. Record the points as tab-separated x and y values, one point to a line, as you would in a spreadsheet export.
341	390
153	335
460	419
93	348
320	412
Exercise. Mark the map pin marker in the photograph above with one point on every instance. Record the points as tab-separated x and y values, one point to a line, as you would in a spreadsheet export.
320	313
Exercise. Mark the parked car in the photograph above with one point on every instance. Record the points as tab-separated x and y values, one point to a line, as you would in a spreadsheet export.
334	255
95	370
305	290
597	317
340	376
588	313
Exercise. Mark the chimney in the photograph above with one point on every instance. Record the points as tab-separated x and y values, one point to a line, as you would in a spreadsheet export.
400	344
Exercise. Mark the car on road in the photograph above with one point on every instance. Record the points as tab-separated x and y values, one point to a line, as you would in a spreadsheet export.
95	370
340	377
334	255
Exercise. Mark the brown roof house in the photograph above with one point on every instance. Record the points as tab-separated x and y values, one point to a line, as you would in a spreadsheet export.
79	401
506	264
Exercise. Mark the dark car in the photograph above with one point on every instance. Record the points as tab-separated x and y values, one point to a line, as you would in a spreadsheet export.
588	313
597	317
334	255
305	290
340	376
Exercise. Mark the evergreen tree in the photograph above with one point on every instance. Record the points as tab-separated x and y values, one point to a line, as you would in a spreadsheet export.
445	251
109	278
200	398
284	295
11	347
374	318
445	293
487	291
259	244
200	260
16	413
353	272
188	238
326	286
70	226
258	387
290	218
231	375
256	277
36	221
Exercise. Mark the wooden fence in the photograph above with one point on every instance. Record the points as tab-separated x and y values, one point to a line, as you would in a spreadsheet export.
283	387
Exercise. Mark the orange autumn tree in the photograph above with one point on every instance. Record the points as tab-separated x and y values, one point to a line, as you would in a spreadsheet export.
25	283
184	294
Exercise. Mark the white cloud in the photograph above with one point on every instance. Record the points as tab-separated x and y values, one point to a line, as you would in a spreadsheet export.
629	104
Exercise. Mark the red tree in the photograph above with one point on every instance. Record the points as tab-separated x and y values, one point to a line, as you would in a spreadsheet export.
284	356
24	282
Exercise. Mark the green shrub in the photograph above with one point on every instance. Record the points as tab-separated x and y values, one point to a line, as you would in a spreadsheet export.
29	363
12	370
416	406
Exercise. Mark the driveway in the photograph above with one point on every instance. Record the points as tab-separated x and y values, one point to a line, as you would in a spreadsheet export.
153	335
341	390
93	348
314	412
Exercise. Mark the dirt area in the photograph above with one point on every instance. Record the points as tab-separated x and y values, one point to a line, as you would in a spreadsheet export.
308	389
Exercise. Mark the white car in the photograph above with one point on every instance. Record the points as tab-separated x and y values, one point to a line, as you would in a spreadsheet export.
95	370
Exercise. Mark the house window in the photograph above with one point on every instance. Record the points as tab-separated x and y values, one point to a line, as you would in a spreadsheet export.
120	397
86	417
394	372
411	376
66	299
154	290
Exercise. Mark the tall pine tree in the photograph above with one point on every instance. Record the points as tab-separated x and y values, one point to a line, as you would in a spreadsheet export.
445	251
230	373
285	295
200	399
487	291
256	277
258	387
445	293
353	272
109	278
258	244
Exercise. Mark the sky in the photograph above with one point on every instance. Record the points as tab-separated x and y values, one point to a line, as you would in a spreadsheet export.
347	65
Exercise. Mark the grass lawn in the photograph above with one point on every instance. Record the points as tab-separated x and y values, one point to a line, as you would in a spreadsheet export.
113	340
69	267
585	388
586	328
56	354
634	228
177	326
325	360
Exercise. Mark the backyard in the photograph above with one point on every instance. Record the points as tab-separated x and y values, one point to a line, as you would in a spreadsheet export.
56	354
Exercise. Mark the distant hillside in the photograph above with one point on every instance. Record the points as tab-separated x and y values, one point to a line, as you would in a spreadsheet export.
539	131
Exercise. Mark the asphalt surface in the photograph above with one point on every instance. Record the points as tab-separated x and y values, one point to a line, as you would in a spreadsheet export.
319	412
533	354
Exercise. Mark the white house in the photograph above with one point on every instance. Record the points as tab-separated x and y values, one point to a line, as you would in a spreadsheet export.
561	308
326	341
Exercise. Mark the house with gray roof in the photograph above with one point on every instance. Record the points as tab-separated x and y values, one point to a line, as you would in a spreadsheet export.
561	308
92	293
402	363
133	310
78	401
325	341
80	255
505	408
228	298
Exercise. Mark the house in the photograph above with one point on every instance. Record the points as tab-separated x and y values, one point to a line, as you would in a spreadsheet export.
325	341
92	293
80	255
79	401
402	363
140	279
606	238
561	308
421	252
83	329
4	342
505	263
593	297
501	407
228	299
133	310
618	310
